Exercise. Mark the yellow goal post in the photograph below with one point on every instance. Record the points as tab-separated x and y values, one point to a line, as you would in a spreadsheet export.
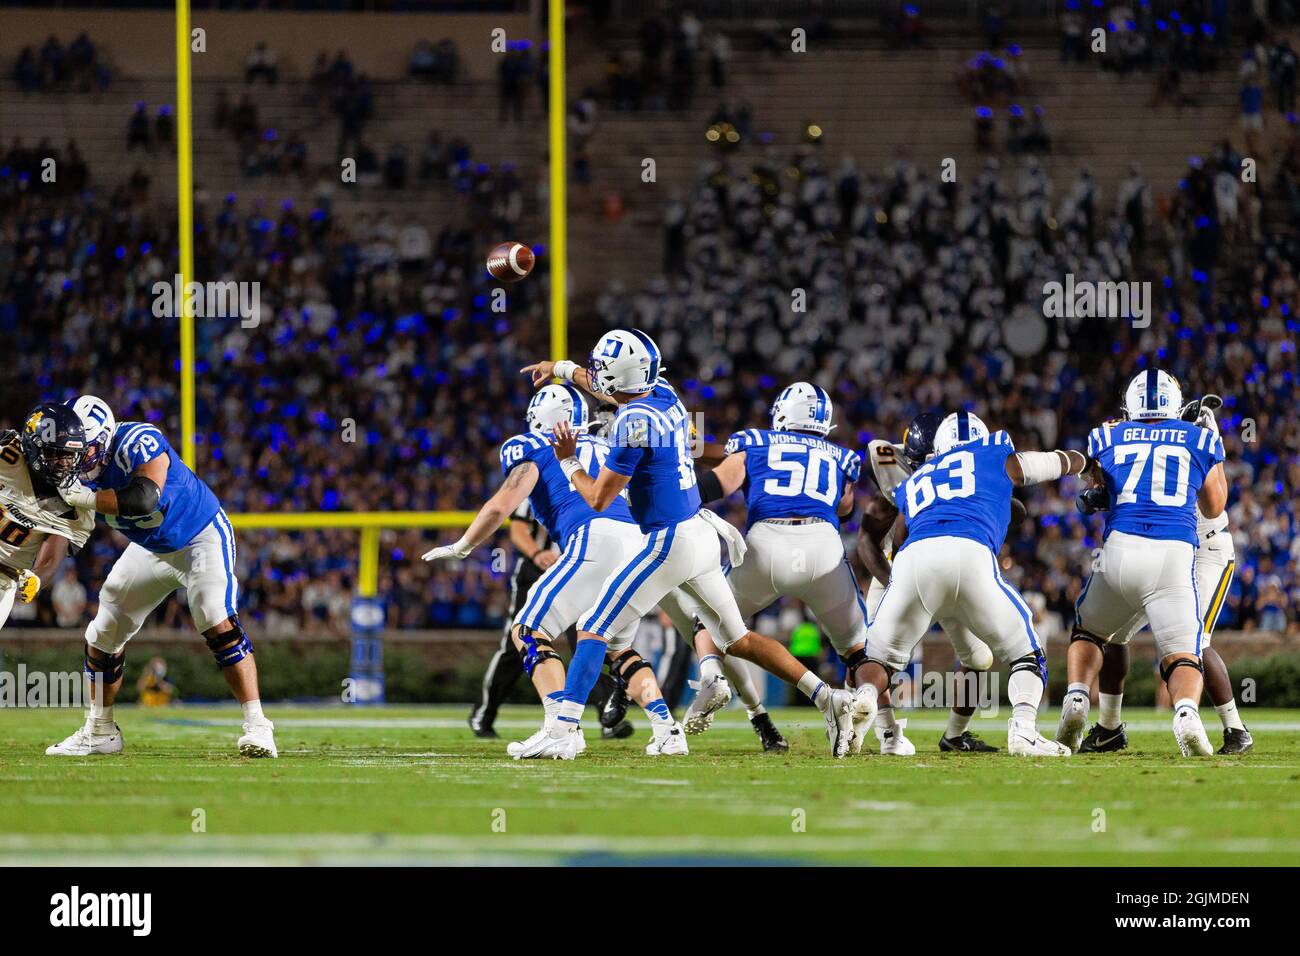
369	523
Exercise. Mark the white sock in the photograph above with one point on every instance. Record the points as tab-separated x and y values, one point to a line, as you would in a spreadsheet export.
815	689
1229	716
1186	703
1080	690
253	710
743	684
1109	706
710	667
570	710
1025	691
957	724
100	715
885	720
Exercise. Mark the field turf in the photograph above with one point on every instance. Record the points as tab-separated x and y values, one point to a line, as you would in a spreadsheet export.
411	785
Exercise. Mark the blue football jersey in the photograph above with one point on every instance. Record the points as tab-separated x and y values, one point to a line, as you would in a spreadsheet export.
556	504
651	441
186	505
793	475
1153	471
966	493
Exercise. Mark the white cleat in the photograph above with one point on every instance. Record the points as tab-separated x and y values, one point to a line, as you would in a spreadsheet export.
714	694
863	720
1074	718
86	743
258	739
843	712
1028	742
555	741
894	744
1190	734
670	742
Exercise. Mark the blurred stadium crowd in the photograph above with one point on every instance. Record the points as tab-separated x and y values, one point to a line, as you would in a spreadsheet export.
378	377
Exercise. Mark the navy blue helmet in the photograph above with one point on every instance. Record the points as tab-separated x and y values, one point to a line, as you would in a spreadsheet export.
918	441
54	443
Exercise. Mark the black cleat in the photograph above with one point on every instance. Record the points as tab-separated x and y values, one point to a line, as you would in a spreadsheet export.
615	709
1104	740
1236	741
768	734
618	731
482	730
967	743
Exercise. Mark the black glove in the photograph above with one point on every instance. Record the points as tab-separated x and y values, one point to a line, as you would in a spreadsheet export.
1092	500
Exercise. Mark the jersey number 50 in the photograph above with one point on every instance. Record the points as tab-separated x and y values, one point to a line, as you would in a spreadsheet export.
816	479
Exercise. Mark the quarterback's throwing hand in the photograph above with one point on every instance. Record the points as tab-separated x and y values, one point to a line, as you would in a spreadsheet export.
539	372
565	441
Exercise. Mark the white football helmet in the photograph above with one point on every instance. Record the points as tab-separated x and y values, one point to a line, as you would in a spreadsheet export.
1152	394
98	421
624	360
803	407
554	404
958	429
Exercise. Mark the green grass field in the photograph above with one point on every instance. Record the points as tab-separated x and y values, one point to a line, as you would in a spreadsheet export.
410	785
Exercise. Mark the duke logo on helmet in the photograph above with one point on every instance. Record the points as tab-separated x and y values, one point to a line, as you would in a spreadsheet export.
1152	394
958	429
624	360
803	407
554	404
98	421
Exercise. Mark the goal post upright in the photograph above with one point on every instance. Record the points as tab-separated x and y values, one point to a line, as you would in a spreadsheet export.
185	225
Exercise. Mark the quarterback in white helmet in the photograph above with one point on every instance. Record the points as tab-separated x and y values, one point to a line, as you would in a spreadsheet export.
592	542
650	459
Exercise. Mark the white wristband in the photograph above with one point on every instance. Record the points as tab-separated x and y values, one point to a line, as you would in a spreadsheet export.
564	369
570	466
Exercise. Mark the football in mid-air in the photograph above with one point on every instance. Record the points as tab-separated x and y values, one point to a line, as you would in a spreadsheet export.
510	261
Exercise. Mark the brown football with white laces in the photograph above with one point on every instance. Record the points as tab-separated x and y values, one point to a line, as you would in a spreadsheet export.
510	261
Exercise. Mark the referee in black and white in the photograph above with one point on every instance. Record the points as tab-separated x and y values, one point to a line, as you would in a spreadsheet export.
534	553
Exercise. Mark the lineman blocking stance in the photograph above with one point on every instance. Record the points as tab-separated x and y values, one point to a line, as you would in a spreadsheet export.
651	460
37	528
1156	470
179	538
956	508
891	465
798	485
592	542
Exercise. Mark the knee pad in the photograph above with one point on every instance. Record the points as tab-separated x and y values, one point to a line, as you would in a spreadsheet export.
1181	662
105	632
855	659
1035	662
625	665
890	670
1078	634
230	647
535	650
106	666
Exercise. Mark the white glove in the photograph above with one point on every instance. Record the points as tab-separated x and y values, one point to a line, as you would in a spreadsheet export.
78	495
29	585
460	549
1206	419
